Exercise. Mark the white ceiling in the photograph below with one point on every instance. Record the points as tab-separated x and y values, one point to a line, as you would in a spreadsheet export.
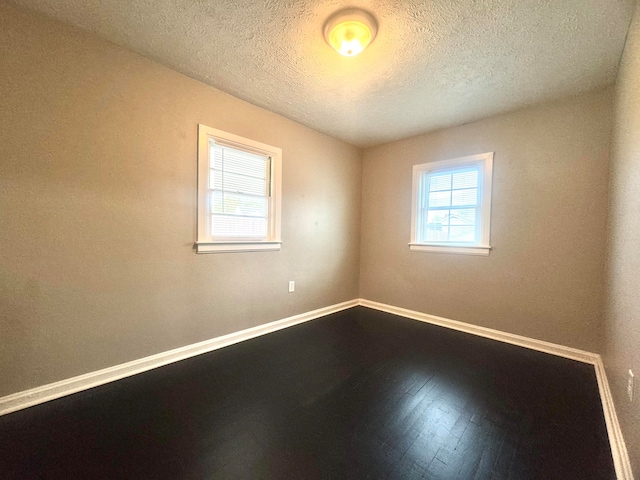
434	63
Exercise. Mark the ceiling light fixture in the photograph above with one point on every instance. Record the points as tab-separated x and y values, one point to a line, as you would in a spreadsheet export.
350	31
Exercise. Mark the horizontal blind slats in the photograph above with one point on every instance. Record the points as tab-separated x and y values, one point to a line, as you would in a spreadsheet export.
232	203
229	226
468	196
232	182
236	161
467	179
440	182
451	205
239	184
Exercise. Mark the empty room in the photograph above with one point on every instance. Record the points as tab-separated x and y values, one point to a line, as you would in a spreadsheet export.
319	240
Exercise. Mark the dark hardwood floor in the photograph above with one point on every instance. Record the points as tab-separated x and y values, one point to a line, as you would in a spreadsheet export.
357	394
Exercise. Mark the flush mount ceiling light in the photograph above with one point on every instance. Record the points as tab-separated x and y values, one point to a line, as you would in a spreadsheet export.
350	31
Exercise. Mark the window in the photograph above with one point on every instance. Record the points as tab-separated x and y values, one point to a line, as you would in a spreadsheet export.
451	205
238	193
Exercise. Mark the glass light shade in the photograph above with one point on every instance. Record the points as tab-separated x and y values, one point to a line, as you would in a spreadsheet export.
350	31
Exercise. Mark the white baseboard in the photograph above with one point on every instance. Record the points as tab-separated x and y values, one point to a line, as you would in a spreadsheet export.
618	447
532	343
51	391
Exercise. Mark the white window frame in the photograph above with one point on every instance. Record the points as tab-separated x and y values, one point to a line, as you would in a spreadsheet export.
205	242
482	244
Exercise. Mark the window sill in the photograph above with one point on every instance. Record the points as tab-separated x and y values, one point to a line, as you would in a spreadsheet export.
482	250
227	247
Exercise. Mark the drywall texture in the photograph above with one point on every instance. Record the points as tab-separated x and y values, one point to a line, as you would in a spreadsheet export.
544	276
433	63
622	339
97	217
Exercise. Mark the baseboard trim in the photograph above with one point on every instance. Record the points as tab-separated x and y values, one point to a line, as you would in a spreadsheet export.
616	440
51	391
531	343
618	447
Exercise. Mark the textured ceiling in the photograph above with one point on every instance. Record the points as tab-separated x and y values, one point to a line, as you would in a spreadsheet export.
434	63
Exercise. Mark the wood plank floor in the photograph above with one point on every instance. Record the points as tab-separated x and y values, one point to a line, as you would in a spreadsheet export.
358	394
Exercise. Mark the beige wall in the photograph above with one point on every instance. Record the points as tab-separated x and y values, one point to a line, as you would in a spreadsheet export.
622	339
97	209
97	216
544	277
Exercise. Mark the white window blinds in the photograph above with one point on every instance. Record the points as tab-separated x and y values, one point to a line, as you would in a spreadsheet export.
450	206
239	184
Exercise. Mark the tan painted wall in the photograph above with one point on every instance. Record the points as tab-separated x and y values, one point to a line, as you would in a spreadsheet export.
97	209
544	277
622	338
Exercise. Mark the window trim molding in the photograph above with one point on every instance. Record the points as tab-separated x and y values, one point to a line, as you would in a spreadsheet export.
222	247
204	241
483	246
482	250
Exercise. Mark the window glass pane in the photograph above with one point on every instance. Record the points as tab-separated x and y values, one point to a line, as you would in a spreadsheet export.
462	234
215	179
449	201
439	199
437	233
238	204
438	217
466	216
216	202
439	182
468	179
238	161
237	183
228	226
464	197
